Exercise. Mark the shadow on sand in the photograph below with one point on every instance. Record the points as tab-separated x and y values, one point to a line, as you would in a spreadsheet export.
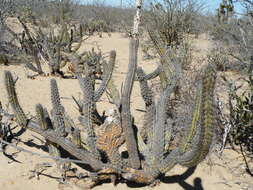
180	179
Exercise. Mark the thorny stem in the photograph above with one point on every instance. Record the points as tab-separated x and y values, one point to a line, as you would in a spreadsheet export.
126	118
137	18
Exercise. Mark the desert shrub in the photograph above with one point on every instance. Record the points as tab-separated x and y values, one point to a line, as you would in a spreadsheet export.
172	19
236	35
219	57
26	14
241	115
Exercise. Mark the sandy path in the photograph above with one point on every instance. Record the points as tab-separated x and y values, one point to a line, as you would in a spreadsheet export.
210	175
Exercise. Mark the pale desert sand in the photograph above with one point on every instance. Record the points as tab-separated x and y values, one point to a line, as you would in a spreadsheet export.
225	173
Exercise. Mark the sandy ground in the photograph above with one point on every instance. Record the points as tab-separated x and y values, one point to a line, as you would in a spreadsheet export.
225	173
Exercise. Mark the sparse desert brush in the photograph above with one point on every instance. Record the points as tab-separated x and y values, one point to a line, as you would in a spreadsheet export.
172	19
233	30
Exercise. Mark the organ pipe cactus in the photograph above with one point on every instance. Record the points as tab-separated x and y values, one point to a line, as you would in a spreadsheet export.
148	156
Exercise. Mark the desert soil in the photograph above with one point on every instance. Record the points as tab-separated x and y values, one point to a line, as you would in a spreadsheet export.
224	173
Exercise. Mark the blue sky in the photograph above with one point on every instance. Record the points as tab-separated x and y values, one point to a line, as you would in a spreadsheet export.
211	4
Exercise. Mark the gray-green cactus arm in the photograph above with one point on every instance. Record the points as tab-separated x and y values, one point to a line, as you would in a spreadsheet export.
88	107
45	123
151	75
159	128
149	117
169	161
154	74
31	46
107	74
67	145
204	131
168	68
126	118
58	109
40	116
191	132
113	92
13	99
49	134
146	92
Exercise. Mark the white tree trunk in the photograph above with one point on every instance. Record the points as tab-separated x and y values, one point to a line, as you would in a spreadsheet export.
137	18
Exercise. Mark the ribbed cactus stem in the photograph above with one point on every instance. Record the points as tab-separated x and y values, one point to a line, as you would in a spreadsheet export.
88	107
45	123
126	117
154	74
58	109
32	47
12	96
208	120
107	74
159	128
76	138
169	161
40	116
204	132
149	117
195	121
112	90
146	92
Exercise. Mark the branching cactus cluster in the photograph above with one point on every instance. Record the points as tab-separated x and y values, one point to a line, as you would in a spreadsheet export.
89	63
54	47
96	26
97	143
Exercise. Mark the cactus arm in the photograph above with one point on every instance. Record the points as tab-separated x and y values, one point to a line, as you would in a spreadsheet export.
67	145
144	149
149	121
149	117
58	109
57	58
147	95
31	67
87	111
168	134
49	134
208	120
151	75
126	119
107	74
203	138
40	116
76	138
45	123
154	74
168	68
195	121
159	127
13	99
113	92
146	92
169	161
161	52
31	46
